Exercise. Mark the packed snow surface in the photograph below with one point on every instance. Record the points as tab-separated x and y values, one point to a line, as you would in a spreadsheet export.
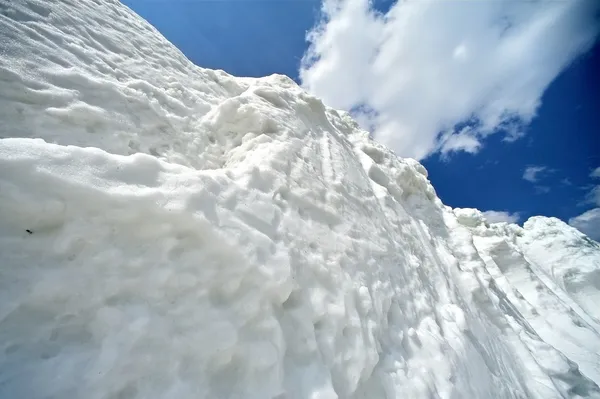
168	231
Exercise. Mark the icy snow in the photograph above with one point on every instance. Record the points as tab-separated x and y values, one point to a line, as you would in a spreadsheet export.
168	231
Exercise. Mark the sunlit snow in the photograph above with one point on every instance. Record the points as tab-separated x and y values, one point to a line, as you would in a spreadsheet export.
168	231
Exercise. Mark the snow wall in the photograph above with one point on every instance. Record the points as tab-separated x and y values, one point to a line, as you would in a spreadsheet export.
169	231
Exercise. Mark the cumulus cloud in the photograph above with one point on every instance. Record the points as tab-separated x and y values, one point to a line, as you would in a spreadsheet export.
433	75
501	216
532	173
589	221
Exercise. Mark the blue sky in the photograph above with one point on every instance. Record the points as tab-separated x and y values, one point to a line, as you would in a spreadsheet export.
560	137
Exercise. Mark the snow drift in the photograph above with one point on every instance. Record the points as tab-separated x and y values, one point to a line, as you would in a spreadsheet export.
168	231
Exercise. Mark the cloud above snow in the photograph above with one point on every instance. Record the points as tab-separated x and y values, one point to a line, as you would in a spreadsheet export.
501	216
533	174
589	221
415	72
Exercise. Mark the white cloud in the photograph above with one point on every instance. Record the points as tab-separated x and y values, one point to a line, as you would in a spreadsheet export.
464	140
501	216
532	173
588	223
594	196
427	65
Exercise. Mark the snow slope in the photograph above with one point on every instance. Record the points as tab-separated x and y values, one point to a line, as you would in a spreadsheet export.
168	231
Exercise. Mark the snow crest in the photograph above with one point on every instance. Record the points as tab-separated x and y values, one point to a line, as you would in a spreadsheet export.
169	231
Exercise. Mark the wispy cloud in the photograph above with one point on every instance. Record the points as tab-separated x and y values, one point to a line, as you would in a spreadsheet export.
425	66
465	140
566	182
532	173
501	216
593	196
589	221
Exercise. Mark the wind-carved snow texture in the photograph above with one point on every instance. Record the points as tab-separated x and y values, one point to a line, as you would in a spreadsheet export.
168	231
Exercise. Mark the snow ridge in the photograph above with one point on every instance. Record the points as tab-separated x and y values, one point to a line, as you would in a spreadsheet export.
169	231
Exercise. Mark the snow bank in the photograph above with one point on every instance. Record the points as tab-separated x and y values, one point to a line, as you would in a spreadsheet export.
168	231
